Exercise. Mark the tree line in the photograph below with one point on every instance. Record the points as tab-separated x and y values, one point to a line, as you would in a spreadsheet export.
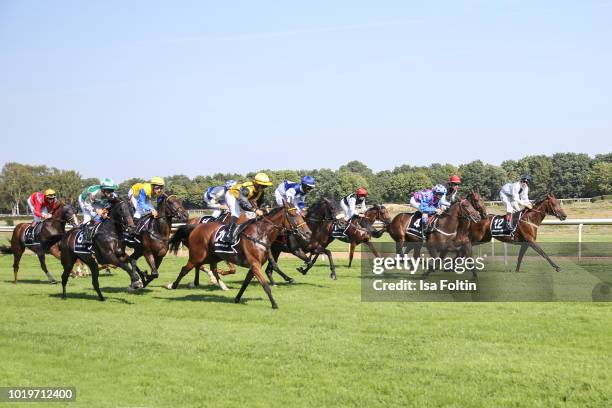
567	175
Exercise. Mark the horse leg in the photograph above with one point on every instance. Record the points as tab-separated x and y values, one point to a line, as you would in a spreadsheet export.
521	253
43	265
372	248
304	270
332	267
152	263
351	253
68	262
245	284
262	280
540	251
16	259
399	247
215	273
270	269
184	271
95	272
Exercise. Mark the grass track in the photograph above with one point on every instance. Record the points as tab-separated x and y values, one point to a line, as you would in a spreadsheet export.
323	347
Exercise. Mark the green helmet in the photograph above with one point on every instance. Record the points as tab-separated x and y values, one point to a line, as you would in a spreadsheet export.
108	184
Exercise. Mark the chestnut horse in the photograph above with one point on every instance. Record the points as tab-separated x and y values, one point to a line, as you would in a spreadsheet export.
154	239
50	233
399	226
443	234
526	231
252	250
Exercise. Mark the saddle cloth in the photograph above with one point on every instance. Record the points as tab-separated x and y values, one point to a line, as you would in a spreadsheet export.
498	225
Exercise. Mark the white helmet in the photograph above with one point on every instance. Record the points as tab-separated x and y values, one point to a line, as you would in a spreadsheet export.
439	189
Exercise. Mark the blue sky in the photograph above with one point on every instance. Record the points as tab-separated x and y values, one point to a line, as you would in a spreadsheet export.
133	88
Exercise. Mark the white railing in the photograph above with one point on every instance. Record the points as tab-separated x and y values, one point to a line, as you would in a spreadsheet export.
561	200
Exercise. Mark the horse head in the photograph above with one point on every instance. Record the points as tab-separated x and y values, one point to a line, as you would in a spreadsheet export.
121	215
553	207
294	223
172	207
477	202
65	213
467	210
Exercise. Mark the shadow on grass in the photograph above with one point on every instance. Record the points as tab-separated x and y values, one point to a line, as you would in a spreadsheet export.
33	282
87	296
201	297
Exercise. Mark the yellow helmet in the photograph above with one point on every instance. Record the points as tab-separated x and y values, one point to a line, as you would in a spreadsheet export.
262	179
49	192
158	181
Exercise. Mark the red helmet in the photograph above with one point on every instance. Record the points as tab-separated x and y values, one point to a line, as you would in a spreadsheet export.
362	192
455	179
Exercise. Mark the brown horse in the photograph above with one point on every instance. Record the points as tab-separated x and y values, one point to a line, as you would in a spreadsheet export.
398	228
373	214
443	234
462	241
526	231
181	236
252	250
50	231
153	241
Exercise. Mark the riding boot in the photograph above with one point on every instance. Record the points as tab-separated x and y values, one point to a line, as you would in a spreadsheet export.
509	222
231	231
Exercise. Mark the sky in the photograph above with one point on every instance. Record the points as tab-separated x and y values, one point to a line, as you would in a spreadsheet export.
143	88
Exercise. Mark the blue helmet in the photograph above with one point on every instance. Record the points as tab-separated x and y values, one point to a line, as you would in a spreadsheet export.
308	181
229	183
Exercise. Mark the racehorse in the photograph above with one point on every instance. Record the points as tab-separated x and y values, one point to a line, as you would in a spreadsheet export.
376	213
251	251
152	241
107	246
398	228
462	240
526	231
443	233
181	236
51	227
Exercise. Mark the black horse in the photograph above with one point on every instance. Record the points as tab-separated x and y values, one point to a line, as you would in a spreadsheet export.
107	247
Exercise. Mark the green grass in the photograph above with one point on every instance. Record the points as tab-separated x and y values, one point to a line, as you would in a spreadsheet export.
323	347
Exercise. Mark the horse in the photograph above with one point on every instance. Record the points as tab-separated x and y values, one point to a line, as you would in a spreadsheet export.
526	231
107	246
376	213
51	227
181	236
462	240
252	250
152	242
358	230
398	228
442	237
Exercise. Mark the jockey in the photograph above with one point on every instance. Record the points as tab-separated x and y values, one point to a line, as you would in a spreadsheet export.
240	197
452	187
141	194
95	199
515	197
214	197
294	193
42	205
429	201
350	202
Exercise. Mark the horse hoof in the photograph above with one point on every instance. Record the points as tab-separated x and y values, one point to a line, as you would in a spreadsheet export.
190	286
291	280
333	276
558	269
155	275
102	299
53	282
168	286
236	300
131	289
301	270
274	306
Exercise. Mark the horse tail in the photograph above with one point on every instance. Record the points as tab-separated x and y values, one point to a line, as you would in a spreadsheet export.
181	236
49	242
5	249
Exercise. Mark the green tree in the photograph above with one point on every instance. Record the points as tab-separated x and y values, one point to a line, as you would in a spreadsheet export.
599	179
569	172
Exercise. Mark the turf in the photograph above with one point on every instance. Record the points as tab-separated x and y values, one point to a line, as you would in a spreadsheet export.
323	347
